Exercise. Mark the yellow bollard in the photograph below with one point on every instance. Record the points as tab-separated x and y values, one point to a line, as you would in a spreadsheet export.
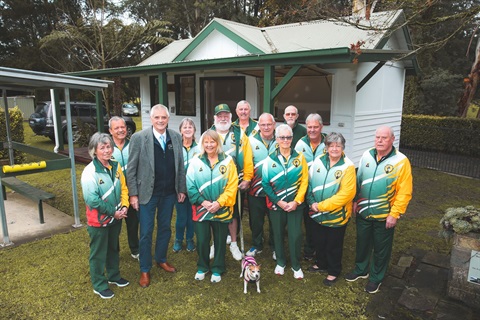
25	167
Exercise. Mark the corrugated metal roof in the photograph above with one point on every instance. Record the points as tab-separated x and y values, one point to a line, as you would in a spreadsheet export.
302	36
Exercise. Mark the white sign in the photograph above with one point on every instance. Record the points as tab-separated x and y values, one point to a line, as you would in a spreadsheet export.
474	270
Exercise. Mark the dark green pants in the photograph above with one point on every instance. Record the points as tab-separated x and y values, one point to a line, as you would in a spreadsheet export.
258	210
309	243
293	222
374	248
104	255
132	230
203	232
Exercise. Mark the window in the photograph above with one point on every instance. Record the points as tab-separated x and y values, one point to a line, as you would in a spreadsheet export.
310	94
185	95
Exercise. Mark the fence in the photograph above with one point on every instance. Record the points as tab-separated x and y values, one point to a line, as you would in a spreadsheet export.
456	164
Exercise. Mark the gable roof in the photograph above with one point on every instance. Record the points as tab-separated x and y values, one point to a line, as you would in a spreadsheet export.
293	37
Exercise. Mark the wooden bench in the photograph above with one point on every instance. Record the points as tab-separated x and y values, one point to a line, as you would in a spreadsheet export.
28	191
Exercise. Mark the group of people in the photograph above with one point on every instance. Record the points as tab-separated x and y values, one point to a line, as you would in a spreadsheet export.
295	177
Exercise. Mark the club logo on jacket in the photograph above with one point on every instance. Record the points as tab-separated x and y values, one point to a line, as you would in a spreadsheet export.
101	181
200	170
388	168
222	169
338	174
274	165
318	170
367	165
296	163
254	132
232	137
257	148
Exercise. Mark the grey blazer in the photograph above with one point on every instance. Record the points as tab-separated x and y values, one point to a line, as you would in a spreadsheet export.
141	167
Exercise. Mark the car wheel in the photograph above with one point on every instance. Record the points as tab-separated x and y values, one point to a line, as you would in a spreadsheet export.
75	134
130	131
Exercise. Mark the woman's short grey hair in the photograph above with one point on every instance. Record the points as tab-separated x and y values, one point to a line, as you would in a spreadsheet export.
335	137
190	122
314	117
281	128
97	139
215	136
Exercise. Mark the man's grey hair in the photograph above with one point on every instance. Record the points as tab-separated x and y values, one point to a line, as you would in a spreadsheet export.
159	107
314	117
115	118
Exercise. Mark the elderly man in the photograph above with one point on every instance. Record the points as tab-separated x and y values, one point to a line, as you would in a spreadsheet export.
156	179
244	121
235	144
384	189
312	145
291	116
118	130
262	144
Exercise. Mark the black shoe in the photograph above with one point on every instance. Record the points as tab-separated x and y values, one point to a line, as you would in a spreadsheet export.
372	287
352	276
120	282
105	294
315	268
329	283
309	257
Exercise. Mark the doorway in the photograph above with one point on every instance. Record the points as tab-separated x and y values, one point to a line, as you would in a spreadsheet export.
216	90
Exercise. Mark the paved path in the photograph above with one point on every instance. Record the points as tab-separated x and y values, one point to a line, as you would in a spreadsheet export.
24	224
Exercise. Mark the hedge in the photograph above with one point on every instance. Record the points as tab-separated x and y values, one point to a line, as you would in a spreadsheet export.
16	132
443	134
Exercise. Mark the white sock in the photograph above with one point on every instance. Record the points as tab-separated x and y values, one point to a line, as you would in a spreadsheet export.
233	244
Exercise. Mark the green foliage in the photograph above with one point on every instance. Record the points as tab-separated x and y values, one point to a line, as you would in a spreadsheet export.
16	132
460	220
444	134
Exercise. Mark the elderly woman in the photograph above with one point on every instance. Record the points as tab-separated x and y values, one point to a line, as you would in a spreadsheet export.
285	182
184	220
212	184
331	190
106	199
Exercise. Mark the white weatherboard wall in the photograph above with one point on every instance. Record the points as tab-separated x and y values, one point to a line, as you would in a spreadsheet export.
215	46
379	102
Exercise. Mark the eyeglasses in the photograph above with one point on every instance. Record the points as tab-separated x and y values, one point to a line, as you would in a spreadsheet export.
290	114
266	124
285	137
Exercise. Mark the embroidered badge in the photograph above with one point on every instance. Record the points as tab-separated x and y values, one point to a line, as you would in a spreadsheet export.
296	163
100	181
338	174
222	169
388	168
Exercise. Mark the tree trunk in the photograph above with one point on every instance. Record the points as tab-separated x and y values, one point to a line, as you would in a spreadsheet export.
470	85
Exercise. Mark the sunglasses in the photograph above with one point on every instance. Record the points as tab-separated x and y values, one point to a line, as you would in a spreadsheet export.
285	137
290	114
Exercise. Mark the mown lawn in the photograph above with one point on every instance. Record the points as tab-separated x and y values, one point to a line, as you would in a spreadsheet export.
49	279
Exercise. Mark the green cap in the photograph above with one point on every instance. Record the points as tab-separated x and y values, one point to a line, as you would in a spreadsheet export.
223	107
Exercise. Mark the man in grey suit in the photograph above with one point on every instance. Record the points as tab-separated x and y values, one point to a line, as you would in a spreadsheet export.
156	179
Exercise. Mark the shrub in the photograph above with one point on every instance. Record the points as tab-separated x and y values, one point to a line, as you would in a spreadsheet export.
16	132
460	220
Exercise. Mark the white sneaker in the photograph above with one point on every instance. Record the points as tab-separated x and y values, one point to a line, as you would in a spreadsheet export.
298	274
212	251
274	256
200	275
215	278
135	256
237	255
229	239
279	270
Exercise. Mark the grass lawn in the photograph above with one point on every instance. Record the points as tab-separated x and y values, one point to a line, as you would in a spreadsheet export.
49	279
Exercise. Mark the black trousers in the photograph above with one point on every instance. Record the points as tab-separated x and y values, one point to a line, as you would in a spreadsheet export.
329	248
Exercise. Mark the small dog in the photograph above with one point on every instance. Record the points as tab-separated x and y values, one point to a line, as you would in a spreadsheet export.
250	273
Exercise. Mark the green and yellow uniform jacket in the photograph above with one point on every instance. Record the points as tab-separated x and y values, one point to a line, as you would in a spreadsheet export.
252	128
384	186
218	183
333	188
235	145
121	155
284	179
189	153
104	191
304	146
260	151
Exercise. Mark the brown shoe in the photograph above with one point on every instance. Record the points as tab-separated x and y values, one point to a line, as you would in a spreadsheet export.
166	266
144	279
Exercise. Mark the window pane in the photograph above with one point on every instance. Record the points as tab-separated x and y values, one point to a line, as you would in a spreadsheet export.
185	95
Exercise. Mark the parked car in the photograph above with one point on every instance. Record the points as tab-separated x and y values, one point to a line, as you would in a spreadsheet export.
41	121
129	109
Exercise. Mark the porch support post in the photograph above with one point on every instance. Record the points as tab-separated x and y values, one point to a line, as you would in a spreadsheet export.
98	100
57	120
285	80
268	84
163	88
